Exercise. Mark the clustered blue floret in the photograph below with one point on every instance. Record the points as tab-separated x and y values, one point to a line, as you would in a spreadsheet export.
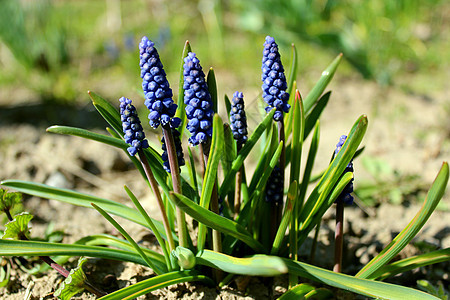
178	149
274	186
238	120
274	81
199	106
158	94
345	195
132	129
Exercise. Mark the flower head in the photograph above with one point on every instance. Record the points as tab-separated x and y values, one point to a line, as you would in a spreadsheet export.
345	195
158	94
132	129
274	81
274	186
199	106
178	148
238	120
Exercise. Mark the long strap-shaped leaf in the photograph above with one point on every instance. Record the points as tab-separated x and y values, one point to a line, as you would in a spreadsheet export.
321	84
211	173
411	263
375	289
32	248
156	283
237	163
80	199
406	235
333	172
266	265
215	221
255	265
107	111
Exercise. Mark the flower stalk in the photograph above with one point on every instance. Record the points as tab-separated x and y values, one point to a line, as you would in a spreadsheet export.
176	182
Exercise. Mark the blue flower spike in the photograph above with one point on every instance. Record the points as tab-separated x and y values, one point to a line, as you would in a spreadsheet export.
132	128
158	94
274	186
199	106
274	81
238	120
345	195
179	151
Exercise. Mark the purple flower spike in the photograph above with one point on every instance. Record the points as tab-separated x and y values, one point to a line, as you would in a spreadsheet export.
178	147
132	129
274	81
158	94
345	195
238	120
198	101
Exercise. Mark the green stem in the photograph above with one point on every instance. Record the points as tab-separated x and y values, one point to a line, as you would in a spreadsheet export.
176	182
154	186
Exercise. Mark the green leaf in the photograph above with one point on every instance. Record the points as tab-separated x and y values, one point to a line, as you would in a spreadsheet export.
180	113
212	88
409	232
156	283
107	111
109	140
229	149
80	199
411	263
9	199
320	294
215	221
5	275
310	223
315	113
32	248
333	172
370	288
129	239
269	148
74	283
255	265
309	164
210	177
150	224
286	219
237	163
297	292
227	104
112	241
292	70
18	227
298	128
321	84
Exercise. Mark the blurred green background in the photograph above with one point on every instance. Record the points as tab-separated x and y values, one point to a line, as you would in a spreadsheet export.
54	51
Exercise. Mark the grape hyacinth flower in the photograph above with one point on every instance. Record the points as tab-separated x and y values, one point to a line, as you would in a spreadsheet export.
199	106
238	120
274	186
179	150
132	129
158	94
345	195
274	81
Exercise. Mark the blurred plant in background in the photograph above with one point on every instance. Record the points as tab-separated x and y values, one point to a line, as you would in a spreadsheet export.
378	38
39	39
